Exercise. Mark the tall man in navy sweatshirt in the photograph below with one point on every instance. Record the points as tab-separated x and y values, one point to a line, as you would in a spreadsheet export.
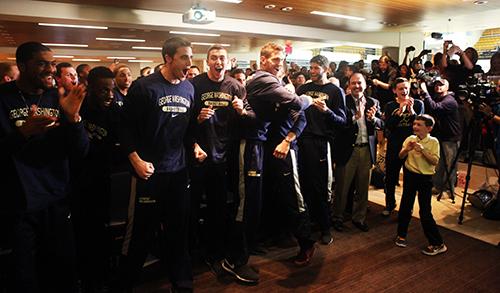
156	114
40	130
218	107
265	94
316	165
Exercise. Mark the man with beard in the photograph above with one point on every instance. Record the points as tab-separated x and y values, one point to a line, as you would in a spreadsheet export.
156	114
40	130
90	200
123	81
316	166
218	106
265	94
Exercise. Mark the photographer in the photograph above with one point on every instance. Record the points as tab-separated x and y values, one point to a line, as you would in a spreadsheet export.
493	113
444	108
458	74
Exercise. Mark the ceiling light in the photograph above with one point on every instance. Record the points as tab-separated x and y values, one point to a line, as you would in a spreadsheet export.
121	40
141	61
11	58
338	15
64	56
195	34
146	48
120	58
269	6
209	44
231	1
86	60
286	9
65	45
479	2
74	26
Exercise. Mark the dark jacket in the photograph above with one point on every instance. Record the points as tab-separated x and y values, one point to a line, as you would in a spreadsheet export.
344	141
445	111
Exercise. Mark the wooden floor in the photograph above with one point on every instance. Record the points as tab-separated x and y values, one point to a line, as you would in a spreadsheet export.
367	262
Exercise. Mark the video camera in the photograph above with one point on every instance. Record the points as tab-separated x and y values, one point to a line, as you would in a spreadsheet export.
476	91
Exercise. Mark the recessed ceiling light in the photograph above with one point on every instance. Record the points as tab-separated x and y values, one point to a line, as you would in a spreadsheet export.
195	34
74	26
141	61
338	15
64	56
270	6
121	40
65	45
231	1
480	2
120	58
286	9
86	60
146	48
209	44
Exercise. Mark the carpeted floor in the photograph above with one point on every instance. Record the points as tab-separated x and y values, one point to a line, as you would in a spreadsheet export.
367	262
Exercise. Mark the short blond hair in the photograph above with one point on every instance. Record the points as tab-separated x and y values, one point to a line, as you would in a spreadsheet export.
269	49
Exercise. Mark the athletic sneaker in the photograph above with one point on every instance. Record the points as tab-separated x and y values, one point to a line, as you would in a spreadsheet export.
243	273
434	249
215	267
401	242
303	258
326	237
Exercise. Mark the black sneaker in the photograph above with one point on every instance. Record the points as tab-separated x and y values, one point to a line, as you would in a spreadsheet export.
326	237
401	242
361	226
432	250
243	273
215	267
303	258
338	225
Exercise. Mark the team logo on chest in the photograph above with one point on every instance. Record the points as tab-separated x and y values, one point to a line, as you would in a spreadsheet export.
216	99
174	104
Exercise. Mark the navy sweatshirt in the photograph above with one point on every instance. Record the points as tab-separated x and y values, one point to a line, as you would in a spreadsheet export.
101	125
399	127
321	124
285	121
266	95
445	112
155	118
214	134
35	171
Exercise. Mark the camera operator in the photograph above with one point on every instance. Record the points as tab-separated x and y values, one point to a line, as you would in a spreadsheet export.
382	81
444	108
458	74
493	114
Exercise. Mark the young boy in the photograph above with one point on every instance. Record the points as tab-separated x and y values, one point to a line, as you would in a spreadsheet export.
422	155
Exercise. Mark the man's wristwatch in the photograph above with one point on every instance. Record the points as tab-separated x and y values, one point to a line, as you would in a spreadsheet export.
288	140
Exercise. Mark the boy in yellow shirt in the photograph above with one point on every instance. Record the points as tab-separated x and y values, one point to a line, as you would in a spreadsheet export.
422	155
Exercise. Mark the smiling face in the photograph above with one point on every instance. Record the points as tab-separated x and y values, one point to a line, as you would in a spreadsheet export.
103	91
402	90
273	63
179	64
38	68
316	71
217	62
123	78
357	85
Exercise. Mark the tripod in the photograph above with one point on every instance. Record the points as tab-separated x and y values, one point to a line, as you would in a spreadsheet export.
474	129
